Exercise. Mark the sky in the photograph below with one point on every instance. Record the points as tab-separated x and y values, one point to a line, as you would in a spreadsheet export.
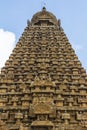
15	13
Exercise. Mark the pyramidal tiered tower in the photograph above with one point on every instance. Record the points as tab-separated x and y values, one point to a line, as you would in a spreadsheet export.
43	85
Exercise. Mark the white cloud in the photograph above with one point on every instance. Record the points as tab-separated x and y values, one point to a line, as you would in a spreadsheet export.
77	47
7	42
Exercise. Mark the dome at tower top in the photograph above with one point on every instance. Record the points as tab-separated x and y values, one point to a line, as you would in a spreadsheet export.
44	16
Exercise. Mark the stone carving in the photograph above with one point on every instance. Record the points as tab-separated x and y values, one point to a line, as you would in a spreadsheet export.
43	85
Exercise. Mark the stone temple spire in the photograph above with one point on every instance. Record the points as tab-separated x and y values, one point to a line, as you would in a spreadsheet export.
43	85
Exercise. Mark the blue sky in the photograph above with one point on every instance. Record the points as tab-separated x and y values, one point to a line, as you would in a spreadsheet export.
15	13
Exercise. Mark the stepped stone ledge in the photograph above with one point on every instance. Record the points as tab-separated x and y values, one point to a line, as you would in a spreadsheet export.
43	85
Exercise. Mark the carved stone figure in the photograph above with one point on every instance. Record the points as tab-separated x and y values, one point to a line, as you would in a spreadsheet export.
43	85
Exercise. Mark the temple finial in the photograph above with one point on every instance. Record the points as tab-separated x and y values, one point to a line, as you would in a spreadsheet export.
43	5
44	8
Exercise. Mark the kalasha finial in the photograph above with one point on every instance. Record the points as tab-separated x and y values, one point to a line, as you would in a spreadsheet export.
43	6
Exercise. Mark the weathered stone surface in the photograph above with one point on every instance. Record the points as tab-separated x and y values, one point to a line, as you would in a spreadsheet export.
43	84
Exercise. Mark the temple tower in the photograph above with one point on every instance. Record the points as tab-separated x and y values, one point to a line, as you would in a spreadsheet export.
43	85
